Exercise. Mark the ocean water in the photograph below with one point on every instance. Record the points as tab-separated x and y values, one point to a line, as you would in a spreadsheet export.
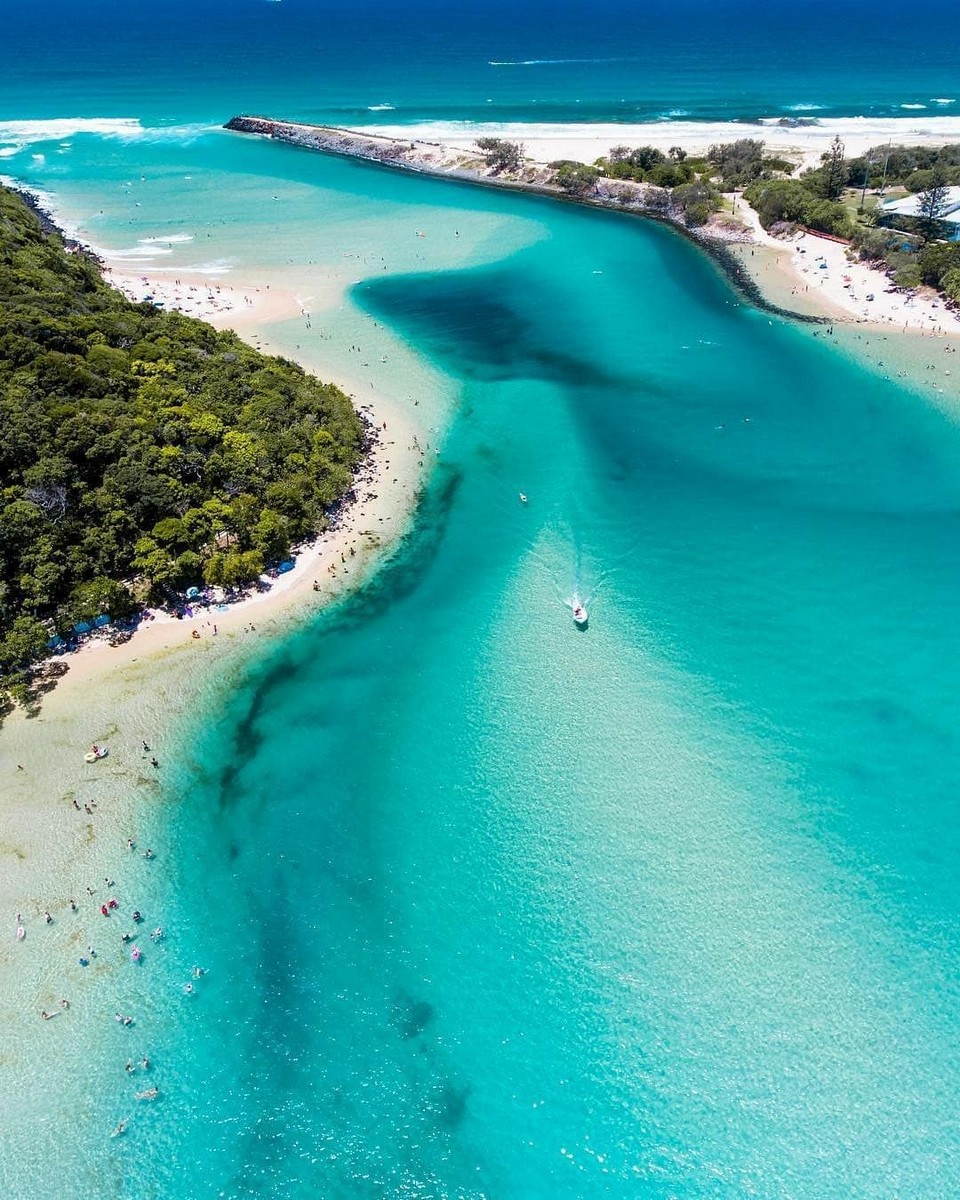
490	60
489	906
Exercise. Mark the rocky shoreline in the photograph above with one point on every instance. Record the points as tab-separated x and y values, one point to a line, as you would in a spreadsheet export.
433	158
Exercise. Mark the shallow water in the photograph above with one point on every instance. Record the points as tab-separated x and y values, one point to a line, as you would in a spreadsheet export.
493	907
661	908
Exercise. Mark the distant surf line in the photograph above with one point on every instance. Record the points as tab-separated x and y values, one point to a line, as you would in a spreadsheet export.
553	62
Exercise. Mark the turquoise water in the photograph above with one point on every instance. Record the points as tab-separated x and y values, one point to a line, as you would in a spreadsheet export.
665	908
490	60
493	907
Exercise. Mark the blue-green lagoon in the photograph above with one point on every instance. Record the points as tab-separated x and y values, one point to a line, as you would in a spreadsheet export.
491	906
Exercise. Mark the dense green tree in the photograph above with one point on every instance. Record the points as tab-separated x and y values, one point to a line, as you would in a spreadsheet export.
98	596
24	641
738	163
695	201
936	259
932	201
828	216
835	169
133	442
575	178
501	155
779	200
950	283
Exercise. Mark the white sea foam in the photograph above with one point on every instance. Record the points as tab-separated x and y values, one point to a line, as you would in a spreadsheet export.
134	253
804	107
551	62
380	108
27	133
170	239
9	151
913	106
218	266
941	100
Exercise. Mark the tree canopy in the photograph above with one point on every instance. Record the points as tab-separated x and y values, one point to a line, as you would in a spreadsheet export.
140	451
501	155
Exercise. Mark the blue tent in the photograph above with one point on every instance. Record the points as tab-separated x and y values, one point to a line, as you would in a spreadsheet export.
99	622
82	627
192	593
56	642
285	567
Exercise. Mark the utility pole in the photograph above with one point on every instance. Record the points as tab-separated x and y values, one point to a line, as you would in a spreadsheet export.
883	181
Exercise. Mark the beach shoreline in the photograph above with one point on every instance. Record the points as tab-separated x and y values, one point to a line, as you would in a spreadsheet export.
801	139
68	825
842	290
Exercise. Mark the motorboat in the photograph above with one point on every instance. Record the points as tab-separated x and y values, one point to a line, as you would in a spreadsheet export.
579	614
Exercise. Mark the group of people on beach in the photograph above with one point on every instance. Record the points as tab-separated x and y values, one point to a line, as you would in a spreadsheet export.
106	900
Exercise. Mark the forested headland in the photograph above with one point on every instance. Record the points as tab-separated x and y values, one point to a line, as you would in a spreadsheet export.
142	452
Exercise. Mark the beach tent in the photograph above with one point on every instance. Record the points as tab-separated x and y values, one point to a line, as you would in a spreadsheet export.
285	566
99	622
82	627
193	593
56	642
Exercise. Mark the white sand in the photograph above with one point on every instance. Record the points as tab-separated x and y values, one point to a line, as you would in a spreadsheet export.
207	297
817	275
588	142
50	850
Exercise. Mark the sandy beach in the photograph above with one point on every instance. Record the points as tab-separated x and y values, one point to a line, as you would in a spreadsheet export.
76	833
817	276
67	825
588	142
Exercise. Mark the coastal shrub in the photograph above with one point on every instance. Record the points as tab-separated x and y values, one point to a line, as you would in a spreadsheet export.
916	181
575	178
950	284
657	198
828	216
907	276
501	155
641	157
778	200
874	244
132	439
782	165
738	163
936	259
695	202
638	163
670	175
